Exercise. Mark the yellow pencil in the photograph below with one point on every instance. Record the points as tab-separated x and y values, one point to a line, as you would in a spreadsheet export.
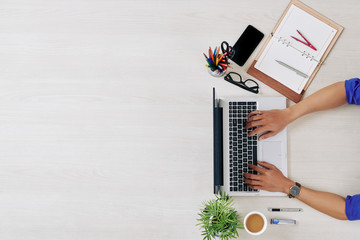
221	56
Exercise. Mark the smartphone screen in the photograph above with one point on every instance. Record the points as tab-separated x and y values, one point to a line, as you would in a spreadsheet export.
246	44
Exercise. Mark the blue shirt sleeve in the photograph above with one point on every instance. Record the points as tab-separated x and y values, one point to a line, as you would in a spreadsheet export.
352	88
352	207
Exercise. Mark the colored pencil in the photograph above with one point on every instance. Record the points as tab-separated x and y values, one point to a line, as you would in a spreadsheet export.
216	61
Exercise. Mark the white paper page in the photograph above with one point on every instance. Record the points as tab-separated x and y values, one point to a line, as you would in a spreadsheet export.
316	32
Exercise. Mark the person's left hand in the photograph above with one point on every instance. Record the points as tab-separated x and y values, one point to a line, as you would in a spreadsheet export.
271	122
270	179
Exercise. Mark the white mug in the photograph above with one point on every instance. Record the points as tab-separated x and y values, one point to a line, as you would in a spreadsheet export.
263	217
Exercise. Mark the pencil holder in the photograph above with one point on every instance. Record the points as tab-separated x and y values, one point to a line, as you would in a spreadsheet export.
218	63
216	73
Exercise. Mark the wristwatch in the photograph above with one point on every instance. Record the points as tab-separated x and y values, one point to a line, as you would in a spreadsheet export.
295	190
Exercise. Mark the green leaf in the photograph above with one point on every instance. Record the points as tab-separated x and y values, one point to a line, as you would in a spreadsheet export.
218	216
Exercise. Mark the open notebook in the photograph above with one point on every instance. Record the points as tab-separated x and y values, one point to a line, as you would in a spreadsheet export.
284	48
319	30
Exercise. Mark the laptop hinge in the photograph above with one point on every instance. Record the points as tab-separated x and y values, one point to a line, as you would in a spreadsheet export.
218	145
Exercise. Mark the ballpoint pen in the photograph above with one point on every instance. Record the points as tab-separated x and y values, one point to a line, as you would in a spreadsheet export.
292	68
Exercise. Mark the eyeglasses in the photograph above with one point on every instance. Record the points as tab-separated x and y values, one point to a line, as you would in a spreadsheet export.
236	79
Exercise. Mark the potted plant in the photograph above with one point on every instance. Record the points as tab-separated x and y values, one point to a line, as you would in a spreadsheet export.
218	218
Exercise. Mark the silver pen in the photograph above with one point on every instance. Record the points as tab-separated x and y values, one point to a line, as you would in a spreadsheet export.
285	209
293	69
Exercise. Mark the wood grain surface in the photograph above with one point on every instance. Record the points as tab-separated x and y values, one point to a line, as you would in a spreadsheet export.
106	118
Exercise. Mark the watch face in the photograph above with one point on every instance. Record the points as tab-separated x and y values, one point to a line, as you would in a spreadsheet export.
295	190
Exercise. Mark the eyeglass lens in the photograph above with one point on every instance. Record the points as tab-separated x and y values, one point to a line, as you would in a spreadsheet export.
236	78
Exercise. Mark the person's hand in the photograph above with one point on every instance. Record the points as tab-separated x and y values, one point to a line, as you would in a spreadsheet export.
271	122
270	179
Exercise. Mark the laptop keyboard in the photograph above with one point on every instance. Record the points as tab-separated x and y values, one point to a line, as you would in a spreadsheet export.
243	149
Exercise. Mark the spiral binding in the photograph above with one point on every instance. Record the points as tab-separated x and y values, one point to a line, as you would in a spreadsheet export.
288	44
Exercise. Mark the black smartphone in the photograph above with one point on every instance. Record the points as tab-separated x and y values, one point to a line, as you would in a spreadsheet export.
246	44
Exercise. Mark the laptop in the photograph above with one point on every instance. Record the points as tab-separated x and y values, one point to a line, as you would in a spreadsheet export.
233	149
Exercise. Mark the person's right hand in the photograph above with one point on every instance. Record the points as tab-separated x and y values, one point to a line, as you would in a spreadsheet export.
271	122
270	178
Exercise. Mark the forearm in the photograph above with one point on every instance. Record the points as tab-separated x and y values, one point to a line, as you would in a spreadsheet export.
325	202
270	178
329	97
326	98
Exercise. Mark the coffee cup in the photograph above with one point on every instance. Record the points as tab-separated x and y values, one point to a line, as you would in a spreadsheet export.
255	223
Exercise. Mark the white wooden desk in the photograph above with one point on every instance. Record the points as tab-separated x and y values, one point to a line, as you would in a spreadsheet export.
106	118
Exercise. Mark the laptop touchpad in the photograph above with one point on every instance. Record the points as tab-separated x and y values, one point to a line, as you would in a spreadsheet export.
271	152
